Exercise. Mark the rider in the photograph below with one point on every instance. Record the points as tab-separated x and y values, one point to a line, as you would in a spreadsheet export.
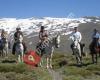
2	35
18	31
43	37
76	35
96	38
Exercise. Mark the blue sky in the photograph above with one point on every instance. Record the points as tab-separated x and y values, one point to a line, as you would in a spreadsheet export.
48	8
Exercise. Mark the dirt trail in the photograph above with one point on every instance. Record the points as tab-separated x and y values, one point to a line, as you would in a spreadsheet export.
55	75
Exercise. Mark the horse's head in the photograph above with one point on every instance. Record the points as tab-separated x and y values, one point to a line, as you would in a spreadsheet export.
76	44
20	39
4	40
57	41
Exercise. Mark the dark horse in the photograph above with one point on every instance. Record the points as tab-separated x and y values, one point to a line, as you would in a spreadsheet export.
94	50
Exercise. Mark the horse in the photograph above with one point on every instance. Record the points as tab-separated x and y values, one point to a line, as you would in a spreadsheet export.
19	48
4	47
47	50
94	50
77	51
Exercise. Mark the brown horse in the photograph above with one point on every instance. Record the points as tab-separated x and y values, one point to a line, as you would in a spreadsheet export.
94	50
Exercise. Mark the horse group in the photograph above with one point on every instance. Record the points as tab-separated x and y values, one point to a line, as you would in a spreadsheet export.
19	49
53	42
78	51
5	46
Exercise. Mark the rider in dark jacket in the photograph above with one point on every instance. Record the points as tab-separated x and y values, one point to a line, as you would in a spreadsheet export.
16	35
43	39
43	35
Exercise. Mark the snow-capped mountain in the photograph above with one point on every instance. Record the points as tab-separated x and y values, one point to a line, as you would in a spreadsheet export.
32	25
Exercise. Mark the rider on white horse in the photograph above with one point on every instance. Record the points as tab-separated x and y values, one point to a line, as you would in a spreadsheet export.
16	35
76	35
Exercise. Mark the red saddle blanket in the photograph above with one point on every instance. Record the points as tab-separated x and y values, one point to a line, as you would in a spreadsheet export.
32	58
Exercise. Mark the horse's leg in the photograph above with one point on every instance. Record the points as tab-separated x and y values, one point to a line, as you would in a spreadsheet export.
77	60
78	55
96	58
22	55
72	49
99	52
72	52
19	58
75	53
80	58
2	53
41	62
47	59
6	53
92	57
51	60
7	50
51	63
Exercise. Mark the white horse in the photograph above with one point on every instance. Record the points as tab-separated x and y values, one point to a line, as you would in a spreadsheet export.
77	51
19	48
4	47
49	49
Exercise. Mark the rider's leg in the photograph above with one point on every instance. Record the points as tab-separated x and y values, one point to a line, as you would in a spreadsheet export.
72	45
0	42
24	45
9	45
39	44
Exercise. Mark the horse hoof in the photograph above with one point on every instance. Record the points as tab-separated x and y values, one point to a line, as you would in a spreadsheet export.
51	67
